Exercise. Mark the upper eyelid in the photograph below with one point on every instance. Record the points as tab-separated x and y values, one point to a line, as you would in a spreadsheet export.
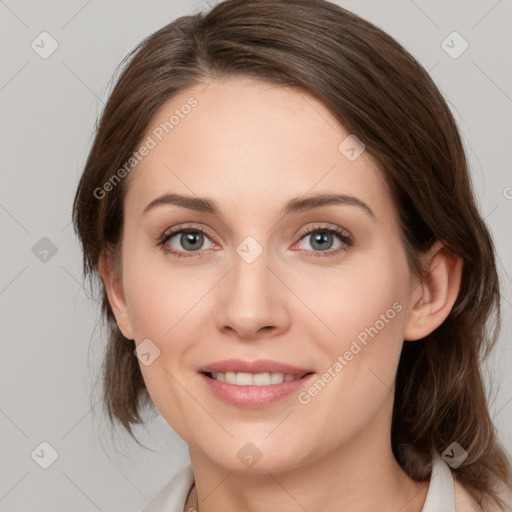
304	232
176	230
323	227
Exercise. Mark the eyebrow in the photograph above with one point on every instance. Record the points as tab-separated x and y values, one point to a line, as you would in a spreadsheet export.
296	205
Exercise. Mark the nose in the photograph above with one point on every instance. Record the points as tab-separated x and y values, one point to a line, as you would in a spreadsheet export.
252	301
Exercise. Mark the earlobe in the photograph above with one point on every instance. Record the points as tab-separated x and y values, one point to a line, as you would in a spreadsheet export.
115	293
437	293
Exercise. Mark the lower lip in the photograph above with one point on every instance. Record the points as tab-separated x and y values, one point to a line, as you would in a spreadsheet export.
254	397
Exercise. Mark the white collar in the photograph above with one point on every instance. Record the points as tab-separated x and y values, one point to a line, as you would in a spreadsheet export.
441	492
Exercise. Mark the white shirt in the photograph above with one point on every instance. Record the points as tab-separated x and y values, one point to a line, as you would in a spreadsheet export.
440	496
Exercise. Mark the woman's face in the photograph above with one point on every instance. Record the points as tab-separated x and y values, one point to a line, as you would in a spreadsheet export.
322	286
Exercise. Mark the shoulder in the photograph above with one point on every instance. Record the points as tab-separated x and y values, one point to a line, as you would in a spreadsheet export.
464	502
174	494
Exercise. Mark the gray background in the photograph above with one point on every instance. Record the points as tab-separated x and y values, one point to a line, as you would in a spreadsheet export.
51	342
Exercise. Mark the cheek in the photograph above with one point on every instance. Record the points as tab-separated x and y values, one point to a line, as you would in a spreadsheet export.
163	307
158	297
356	298
362	312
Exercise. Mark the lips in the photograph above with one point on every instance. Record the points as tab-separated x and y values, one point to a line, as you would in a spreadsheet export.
259	366
255	390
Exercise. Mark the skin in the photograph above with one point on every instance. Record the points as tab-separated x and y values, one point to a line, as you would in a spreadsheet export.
252	147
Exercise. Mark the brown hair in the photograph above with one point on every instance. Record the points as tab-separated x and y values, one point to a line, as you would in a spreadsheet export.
380	93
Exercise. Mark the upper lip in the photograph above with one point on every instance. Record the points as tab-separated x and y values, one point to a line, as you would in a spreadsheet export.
259	366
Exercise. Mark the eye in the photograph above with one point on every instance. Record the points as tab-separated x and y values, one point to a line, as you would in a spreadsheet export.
180	241
326	241
318	241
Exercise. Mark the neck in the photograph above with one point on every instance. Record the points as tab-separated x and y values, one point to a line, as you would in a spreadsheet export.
360	475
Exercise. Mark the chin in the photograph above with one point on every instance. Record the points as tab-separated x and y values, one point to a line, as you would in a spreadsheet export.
253	457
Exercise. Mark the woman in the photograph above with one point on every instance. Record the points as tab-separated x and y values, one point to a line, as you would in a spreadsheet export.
293	268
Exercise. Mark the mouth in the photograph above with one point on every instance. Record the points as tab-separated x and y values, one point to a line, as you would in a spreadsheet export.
254	384
254	379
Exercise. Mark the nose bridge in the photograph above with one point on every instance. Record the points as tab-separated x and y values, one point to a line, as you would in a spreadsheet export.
251	298
250	276
250	282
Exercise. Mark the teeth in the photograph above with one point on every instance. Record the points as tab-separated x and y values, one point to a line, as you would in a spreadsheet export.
257	379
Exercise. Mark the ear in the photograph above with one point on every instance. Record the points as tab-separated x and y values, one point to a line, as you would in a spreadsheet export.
433	299
114	288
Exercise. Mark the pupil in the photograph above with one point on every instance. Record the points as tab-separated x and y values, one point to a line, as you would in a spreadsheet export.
191	241
321	240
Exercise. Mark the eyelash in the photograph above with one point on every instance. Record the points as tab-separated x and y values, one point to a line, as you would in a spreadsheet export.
343	236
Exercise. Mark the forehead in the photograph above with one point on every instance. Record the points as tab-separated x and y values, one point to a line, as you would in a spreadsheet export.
248	143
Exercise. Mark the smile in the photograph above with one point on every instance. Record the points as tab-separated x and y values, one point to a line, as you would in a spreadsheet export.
249	379
254	390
